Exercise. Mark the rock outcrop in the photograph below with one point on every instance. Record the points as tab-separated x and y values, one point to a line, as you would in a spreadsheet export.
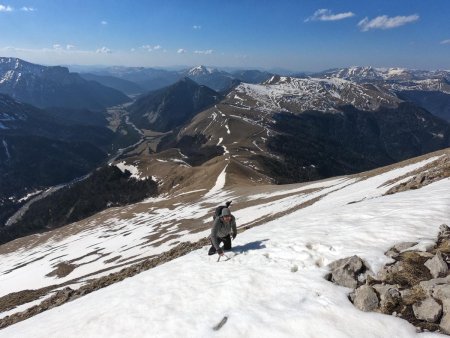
415	286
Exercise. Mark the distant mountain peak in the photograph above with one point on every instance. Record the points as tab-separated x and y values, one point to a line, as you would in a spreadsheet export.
201	70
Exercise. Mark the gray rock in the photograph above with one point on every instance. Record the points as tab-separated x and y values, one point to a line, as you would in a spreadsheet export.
345	271
399	247
428	310
429	285
437	266
403	246
445	321
441	292
389	295
366	298
444	231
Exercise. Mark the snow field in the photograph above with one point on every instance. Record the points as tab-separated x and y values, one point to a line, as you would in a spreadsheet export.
273	286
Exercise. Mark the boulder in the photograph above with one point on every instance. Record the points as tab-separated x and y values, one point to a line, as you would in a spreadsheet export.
428	310
389	296
437	266
345	271
366	298
428	285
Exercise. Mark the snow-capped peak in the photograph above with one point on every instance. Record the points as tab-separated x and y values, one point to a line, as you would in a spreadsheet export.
200	70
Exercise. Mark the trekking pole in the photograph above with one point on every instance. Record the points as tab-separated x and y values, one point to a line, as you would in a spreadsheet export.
227	258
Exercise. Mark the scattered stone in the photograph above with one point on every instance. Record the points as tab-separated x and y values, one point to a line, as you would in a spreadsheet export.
437	266
345	271
428	310
397	248
365	298
414	285
389	296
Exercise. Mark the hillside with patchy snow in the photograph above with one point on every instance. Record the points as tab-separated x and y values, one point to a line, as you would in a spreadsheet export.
273	284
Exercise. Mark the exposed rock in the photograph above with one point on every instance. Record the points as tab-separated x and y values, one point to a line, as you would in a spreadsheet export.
389	296
445	321
415	285
428	310
365	298
345	271
437	266
441	292
438	170
444	232
397	248
413	295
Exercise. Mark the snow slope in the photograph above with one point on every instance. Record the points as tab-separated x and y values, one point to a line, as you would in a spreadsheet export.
273	285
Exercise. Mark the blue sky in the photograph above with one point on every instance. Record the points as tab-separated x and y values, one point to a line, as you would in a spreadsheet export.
298	35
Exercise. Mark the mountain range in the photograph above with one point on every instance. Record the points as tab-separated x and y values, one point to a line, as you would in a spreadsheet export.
428	89
150	79
96	193
54	86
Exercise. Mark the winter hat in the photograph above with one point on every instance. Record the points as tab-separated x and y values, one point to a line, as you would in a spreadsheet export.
225	212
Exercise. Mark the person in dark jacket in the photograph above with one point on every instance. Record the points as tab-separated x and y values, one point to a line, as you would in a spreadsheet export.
224	227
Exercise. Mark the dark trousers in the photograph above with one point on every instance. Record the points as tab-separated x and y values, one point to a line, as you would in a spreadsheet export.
226	244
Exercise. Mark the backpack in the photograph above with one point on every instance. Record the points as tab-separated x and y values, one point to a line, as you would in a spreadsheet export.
218	210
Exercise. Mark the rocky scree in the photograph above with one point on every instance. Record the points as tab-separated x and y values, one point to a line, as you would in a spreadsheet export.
415	286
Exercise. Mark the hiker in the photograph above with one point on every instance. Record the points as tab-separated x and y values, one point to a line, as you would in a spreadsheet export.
223	229
218	210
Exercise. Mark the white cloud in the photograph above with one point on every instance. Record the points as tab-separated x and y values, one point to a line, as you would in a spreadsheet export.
181	51
208	51
385	22
5	8
197	27
103	50
28	9
57	46
132	49
326	15
151	48
104	23
70	47
445	42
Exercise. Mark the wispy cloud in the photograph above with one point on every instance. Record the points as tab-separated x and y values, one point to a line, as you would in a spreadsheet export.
197	27
59	47
103	50
324	14
385	22
181	51
207	52
28	9
104	22
151	48
445	42
6	8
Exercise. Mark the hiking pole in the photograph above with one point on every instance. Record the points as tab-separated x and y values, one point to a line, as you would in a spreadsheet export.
227	258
